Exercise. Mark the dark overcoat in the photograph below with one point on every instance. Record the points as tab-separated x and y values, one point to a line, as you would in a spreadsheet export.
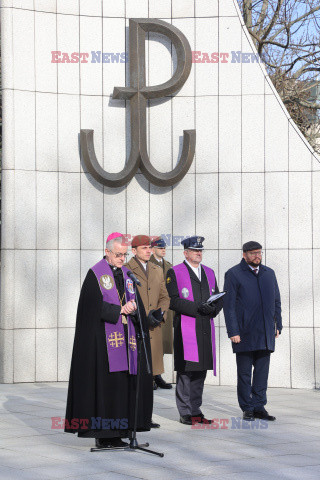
181	306
252	307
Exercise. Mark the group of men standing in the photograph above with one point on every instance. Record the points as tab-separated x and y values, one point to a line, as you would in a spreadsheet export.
103	376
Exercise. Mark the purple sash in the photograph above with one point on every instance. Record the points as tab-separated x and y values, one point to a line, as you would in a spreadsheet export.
115	337
188	324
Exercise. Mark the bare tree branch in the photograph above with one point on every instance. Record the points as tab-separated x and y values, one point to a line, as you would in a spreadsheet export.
293	22
275	17
262	17
286	34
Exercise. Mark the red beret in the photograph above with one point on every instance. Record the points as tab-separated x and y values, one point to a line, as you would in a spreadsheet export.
140	240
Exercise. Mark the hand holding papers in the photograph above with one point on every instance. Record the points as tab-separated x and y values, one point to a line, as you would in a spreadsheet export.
209	307
215	297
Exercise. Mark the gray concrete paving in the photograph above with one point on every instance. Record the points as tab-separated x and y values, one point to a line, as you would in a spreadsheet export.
287	449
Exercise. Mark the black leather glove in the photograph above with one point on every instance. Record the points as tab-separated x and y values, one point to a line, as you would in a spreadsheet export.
134	318
205	309
155	317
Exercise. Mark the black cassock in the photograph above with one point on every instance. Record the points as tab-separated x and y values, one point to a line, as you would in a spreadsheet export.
201	293
94	392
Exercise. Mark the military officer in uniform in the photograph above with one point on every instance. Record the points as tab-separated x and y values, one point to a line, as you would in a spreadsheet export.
158	253
153	294
189	285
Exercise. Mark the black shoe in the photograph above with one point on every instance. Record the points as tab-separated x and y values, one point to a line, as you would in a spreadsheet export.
264	415
118	442
103	443
155	386
154	425
248	415
200	419
110	443
161	383
186	419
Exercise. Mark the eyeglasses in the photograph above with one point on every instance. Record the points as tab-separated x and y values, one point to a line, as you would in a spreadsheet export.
119	255
255	254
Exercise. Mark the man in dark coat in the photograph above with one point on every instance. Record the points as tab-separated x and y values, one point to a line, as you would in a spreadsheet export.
103	375
190	284
158	253
252	310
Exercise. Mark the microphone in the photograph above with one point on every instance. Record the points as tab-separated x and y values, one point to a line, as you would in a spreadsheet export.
133	278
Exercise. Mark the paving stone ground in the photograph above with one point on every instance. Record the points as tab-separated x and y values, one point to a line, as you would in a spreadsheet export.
287	449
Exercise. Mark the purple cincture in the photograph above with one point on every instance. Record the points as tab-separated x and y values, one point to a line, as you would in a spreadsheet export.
115	337
188	324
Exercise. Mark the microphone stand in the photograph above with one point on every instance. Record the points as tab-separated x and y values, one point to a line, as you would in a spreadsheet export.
140	336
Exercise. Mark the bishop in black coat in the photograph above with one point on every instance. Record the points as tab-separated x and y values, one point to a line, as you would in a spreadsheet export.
94	392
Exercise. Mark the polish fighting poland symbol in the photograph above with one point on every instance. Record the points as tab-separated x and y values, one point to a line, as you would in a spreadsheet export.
138	94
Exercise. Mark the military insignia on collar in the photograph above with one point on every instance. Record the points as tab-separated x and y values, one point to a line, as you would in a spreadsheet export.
185	292
106	282
168	279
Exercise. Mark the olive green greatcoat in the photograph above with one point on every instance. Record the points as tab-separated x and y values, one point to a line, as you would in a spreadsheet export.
154	295
167	328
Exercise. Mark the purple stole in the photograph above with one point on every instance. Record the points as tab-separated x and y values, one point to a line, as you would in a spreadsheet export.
115	337
188	324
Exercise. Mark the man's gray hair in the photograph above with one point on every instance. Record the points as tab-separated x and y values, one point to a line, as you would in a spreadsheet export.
109	245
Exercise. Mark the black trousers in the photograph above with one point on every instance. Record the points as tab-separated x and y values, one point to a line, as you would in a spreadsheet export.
252	394
189	390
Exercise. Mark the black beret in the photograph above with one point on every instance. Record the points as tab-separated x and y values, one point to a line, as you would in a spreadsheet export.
247	247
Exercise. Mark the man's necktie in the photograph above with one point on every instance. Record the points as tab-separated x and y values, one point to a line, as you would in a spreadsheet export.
256	271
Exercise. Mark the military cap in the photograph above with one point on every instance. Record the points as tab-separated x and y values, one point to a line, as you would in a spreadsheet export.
247	247
140	240
158	243
193	243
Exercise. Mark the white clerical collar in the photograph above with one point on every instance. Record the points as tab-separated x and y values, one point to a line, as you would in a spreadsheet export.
254	268
111	266
197	270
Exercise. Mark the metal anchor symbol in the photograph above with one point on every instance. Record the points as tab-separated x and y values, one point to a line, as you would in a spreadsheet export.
138	94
